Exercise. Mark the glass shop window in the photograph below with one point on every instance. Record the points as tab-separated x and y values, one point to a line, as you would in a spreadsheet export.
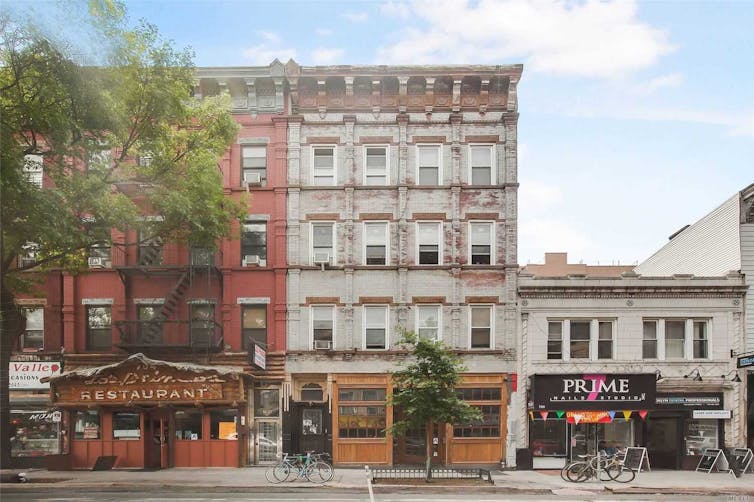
86	425
700	435
222	424
126	425
188	424
548	438
33	433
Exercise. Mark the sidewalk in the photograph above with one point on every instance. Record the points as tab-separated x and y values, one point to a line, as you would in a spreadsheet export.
354	479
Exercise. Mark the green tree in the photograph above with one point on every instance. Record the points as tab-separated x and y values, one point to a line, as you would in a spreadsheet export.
424	389
88	124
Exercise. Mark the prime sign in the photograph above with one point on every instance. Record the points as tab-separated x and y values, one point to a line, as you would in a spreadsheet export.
593	391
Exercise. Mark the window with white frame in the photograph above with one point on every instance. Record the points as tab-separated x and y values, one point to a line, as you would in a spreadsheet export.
555	340
375	326
481	326
428	322
429	242
323	242
428	167
254	243
481	235
376	165
579	340
676	339
481	164
253	165
323	165
323	326
98	327
375	242
649	340
100	157
33	170
700	342
604	340
33	336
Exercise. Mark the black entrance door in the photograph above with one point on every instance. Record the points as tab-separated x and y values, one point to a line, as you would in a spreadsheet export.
664	442
310	428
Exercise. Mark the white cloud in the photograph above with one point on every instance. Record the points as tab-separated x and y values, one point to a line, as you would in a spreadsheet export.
669	80
323	32
355	17
399	9
324	56
589	38
270	48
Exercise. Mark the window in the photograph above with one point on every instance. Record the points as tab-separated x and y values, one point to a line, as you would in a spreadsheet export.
312	392
376	165
202	324
99	328
266	402
150	324
428	321
204	257
649	341
375	327
126	425
33	170
675	334
479	394
323	326
488	401
150	249
700	435
188	424
222	424
481	164
555	340
428	164
481	326
700	340
605	340
428	242
100	158
375	242
254	244
33	433
323	170
580	339
253	326
28	254
323	242
99	255
364	417
253	165
311	423
86	425
33	336
480	241
548	437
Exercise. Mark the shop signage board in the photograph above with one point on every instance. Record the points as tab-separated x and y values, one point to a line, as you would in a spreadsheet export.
260	357
594	391
740	461
637	458
712	414
27	374
745	361
710	460
691	400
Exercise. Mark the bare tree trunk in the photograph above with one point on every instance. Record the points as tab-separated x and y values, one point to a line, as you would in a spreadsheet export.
11	324
429	451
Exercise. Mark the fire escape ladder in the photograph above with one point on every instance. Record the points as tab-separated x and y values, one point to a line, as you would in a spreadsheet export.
152	330
150	252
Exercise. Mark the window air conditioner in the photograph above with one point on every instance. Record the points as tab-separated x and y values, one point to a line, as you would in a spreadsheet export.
321	258
254	179
96	262
250	259
322	344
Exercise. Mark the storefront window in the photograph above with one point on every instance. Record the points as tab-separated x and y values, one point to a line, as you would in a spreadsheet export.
87	425
126	425
34	433
699	435
361	421
548	438
188	424
266	402
362	394
488	426
222	424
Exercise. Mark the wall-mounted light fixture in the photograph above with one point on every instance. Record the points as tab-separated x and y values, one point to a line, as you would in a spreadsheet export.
695	375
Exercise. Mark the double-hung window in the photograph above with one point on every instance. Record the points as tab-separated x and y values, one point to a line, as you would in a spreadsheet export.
428	323
376	165
375	242
253	326
480	242
555	340
33	170
33	336
253	165
323	242
375	326
604	340
98	327
323	326
323	165
481	165
482	326
429	242
580	339
254	243
590	339
429	171
700	341
202	324
675	339
649	340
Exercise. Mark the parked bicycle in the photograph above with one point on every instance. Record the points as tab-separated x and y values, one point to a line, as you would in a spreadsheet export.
309	466
604	468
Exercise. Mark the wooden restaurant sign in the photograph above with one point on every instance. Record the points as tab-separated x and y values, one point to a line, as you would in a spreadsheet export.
147	381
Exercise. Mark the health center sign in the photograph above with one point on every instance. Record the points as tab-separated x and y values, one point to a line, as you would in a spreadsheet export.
596	391
25	375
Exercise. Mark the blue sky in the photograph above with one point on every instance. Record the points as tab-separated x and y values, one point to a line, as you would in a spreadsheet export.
636	118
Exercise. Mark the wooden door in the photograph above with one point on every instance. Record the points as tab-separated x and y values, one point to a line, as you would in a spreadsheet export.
411	447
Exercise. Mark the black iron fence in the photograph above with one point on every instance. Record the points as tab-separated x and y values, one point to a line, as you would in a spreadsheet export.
434	473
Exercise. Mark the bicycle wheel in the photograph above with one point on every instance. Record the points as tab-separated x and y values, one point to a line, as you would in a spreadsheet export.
621	473
277	473
319	472
579	472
